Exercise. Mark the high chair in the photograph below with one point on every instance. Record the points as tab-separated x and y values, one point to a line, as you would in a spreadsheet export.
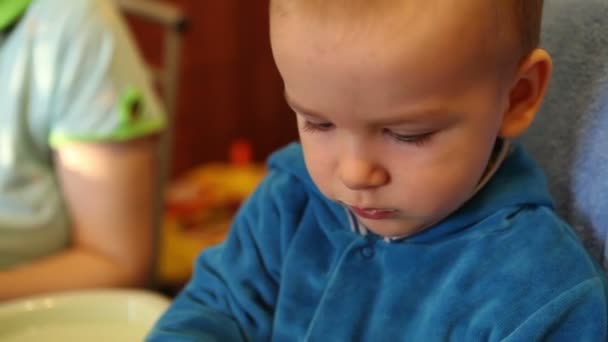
570	135
173	22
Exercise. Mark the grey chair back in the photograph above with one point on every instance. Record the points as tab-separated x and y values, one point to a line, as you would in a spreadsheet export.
570	135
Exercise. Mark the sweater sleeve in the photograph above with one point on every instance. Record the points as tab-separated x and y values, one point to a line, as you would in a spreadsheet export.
578	314
101	91
233	292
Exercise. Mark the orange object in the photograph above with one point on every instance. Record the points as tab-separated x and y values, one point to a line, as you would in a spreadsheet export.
199	209
241	153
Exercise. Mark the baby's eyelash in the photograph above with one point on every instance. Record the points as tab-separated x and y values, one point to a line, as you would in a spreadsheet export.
317	127
417	139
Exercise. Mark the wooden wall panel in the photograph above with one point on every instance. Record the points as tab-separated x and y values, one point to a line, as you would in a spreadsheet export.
230	88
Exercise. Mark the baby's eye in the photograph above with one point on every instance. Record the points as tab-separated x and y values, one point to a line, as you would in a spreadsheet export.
310	126
416	139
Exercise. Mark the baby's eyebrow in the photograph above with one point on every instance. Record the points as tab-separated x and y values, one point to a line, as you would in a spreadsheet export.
301	109
420	116
429	114
426	116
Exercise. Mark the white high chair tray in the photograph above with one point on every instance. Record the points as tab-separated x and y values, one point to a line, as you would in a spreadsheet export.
101	315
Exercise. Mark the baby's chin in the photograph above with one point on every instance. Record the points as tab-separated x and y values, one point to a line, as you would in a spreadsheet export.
395	228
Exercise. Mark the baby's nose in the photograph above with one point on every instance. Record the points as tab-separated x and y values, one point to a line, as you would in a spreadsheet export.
359	174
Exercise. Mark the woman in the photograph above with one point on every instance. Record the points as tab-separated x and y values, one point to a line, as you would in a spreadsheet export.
78	138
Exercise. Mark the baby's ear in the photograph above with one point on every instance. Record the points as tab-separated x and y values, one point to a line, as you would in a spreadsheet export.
527	93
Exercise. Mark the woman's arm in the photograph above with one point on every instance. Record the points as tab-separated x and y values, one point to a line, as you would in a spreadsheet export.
109	190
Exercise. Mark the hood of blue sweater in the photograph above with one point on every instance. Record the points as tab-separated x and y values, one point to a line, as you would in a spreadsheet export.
518	182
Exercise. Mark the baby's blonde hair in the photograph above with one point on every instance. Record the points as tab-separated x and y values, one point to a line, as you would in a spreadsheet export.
528	17
521	18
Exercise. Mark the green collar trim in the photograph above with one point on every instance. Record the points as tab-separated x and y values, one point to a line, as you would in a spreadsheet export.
10	10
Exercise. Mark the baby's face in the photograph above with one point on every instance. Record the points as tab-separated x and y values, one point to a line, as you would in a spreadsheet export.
396	121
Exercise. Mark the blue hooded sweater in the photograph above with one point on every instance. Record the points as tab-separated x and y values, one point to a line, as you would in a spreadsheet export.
501	268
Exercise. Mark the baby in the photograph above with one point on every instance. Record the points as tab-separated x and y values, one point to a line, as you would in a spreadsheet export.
406	214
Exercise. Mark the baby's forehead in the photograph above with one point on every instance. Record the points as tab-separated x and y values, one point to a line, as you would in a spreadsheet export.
485	25
359	9
512	27
386	32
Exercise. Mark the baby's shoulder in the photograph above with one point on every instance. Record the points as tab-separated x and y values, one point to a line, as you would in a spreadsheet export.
288	195
288	177
535	246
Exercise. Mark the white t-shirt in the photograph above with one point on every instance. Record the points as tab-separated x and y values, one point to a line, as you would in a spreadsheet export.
69	72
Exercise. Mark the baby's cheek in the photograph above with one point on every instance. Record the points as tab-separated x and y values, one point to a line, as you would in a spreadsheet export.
443	194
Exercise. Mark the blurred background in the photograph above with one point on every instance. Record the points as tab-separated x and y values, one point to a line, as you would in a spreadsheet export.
215	72
228	86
